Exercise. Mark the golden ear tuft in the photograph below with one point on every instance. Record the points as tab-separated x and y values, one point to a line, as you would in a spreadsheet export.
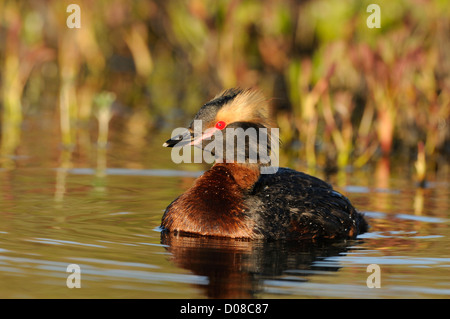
248	106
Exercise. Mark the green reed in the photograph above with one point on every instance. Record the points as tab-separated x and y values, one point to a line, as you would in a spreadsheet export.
343	94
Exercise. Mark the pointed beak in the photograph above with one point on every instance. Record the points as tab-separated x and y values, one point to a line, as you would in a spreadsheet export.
188	138
179	140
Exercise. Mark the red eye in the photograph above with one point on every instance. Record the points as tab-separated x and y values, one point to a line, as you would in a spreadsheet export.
220	125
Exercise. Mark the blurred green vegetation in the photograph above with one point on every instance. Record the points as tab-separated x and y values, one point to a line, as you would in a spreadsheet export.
343	94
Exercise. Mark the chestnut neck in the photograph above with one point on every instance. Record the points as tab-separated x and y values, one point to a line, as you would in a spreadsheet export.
214	205
244	174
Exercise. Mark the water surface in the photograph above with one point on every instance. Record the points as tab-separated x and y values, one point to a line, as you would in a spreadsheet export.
100	209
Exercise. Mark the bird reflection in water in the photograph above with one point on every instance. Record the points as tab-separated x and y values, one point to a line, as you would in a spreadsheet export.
238	268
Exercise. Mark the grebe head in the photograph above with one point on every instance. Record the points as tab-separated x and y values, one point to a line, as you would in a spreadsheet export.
234	113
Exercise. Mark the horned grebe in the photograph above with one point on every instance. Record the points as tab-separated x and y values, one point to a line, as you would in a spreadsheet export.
233	199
